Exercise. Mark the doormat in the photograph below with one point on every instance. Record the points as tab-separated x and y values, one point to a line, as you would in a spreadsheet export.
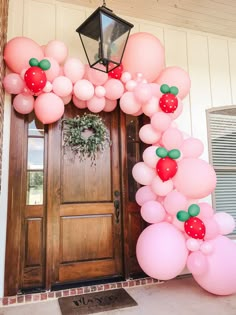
96	302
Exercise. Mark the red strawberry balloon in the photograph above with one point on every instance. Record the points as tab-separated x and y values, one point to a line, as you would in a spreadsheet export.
193	226
116	73
167	167
168	102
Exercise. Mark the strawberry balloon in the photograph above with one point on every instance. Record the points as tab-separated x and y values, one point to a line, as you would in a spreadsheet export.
168	102
166	166
116	73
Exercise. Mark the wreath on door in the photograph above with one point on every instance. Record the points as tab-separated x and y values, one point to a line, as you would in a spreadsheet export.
86	136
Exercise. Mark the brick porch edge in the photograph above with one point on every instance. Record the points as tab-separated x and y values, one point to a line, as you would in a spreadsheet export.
36	297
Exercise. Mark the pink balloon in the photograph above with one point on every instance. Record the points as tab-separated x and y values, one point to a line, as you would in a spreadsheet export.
13	83
97	77
62	86
193	244
178	111
156	92
161	188
175	76
160	121
125	77
114	89
225	222
110	105
220	277
151	107
206	248
149	135
96	104
19	50
83	90
67	99
143	92
57	50
79	103
161	251
144	194
195	178
74	69
212	229
48	108
23	103
191	147
131	85
206	211
149	156
100	91
128	104
144	53
53	71
143	174
197	263
179	225
153	212
174	202
48	87
172	138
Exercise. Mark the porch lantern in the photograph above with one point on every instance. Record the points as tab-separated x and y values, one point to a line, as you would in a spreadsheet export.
104	36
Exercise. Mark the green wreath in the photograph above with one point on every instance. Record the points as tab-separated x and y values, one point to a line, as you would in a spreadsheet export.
74	135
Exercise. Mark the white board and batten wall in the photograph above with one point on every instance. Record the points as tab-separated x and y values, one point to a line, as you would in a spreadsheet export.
209	59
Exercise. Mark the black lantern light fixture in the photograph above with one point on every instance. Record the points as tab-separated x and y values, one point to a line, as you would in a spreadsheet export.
104	36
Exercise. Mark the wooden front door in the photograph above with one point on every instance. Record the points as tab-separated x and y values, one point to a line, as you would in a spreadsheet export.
84	209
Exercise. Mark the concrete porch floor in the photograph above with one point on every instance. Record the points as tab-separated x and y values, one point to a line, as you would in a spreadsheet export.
180	296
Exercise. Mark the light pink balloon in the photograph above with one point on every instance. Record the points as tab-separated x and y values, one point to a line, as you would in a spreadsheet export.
130	85
212	229
143	93
96	104
197	263
83	90
161	251
144	53
179	225
149	135
114	89
195	178
79	103
62	86
48	108
220	277
193	244
206	211
48	87
100	91
153	212
156	92
225	222
143	174
206	248
138	113
125	77
174	202
110	105
191	147
18	51
74	69
96	77
57	50
149	156
160	121
13	83
175	76
161	188
178	111
172	138
144	194
128	104
151	107
23	103
67	99
53	71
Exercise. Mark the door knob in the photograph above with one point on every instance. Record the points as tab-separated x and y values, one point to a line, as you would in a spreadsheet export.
117	210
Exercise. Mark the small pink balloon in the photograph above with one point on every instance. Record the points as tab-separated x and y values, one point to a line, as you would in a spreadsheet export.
151	107
197	263
212	229
62	86
206	248
144	194
100	91
156	92
83	90
149	156
160	121
110	105
67	99
79	103
206	210
143	93
48	87
130	85
149	135
174	202
54	69
114	89
161	188
56	50
153	212
97	77
192	147
125	77
13	83
143	174
96	104
23	103
128	104
225	222
172	138
74	69
193	244
138	113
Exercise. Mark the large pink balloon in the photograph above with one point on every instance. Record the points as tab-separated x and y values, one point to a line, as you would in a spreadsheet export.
195	178
128	103
48	108
149	135
149	156
96	104
110	105
143	174
172	138
19	50
74	69
160	121
225	222
161	251
144	194
23	103
144	53
151	107
153	212
220	277
174	202
197	263
114	89
175	76
83	90
57	50
79	103
62	86
191	147
13	83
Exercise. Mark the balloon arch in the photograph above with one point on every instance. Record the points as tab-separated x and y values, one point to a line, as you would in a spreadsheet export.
183	231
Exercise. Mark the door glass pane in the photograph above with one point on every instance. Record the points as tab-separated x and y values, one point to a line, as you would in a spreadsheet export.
34	188
35	127
35	153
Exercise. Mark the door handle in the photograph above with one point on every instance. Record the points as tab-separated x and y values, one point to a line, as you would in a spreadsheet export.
117	210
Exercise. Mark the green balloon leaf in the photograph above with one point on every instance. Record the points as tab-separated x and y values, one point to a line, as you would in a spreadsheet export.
45	64
182	216
33	62
174	154
161	152
165	88
174	90
193	210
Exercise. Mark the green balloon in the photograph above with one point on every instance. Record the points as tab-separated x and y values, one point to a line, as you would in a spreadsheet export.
161	152
182	216
174	154
174	90
193	210
165	88
45	64
33	62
